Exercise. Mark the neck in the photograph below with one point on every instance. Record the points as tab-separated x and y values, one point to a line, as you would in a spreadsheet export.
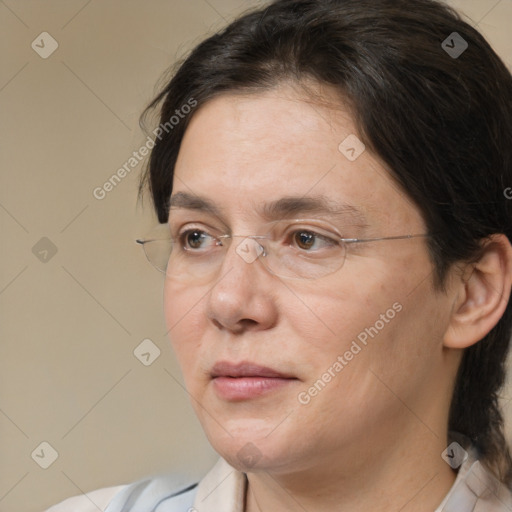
409	476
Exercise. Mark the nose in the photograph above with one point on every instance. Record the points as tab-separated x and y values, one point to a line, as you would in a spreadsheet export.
243	297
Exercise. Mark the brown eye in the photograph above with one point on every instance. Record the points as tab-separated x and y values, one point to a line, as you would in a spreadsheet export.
194	239
309	241
305	239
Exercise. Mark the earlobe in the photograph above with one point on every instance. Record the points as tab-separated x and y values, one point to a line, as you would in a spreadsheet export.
482	295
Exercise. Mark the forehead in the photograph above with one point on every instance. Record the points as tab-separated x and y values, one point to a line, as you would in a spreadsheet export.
245	153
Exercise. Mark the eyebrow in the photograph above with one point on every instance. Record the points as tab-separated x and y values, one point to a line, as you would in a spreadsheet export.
285	207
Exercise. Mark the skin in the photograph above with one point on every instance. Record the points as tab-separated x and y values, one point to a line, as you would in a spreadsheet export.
372	438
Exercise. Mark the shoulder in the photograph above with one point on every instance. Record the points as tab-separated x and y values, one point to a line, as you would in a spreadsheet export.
89	502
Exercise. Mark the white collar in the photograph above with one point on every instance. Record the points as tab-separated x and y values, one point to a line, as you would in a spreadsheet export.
474	490
223	488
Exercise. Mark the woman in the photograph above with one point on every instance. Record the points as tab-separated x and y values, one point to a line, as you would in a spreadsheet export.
330	177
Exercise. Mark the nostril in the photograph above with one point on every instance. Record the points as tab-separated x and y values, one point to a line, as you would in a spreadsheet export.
248	322
242	325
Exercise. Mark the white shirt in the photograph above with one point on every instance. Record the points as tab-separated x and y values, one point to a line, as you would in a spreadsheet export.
223	490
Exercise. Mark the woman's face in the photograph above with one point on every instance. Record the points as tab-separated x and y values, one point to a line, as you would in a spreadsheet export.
298	372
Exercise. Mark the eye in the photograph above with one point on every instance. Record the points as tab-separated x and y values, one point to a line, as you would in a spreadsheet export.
195	239
308	240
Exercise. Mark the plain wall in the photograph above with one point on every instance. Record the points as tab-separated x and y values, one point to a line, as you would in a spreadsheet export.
70	321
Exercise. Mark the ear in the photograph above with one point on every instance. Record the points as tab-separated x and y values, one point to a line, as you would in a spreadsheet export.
481	294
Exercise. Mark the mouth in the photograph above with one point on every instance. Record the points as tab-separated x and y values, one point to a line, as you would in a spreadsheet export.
246	380
245	369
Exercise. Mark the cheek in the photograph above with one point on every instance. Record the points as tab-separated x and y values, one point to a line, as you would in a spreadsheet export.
336	311
386	312
182	303
184	321
376	333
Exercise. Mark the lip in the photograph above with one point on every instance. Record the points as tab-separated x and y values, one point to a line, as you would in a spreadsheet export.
247	380
245	369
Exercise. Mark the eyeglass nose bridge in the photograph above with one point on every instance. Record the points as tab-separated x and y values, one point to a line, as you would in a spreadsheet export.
250	249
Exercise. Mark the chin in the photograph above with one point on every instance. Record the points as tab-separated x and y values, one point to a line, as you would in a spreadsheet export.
251	449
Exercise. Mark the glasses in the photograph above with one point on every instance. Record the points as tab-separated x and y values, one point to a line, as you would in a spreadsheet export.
300	249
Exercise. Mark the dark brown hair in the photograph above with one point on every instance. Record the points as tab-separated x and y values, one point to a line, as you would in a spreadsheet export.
441	122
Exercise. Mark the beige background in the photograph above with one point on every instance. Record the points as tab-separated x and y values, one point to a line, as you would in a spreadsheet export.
69	325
